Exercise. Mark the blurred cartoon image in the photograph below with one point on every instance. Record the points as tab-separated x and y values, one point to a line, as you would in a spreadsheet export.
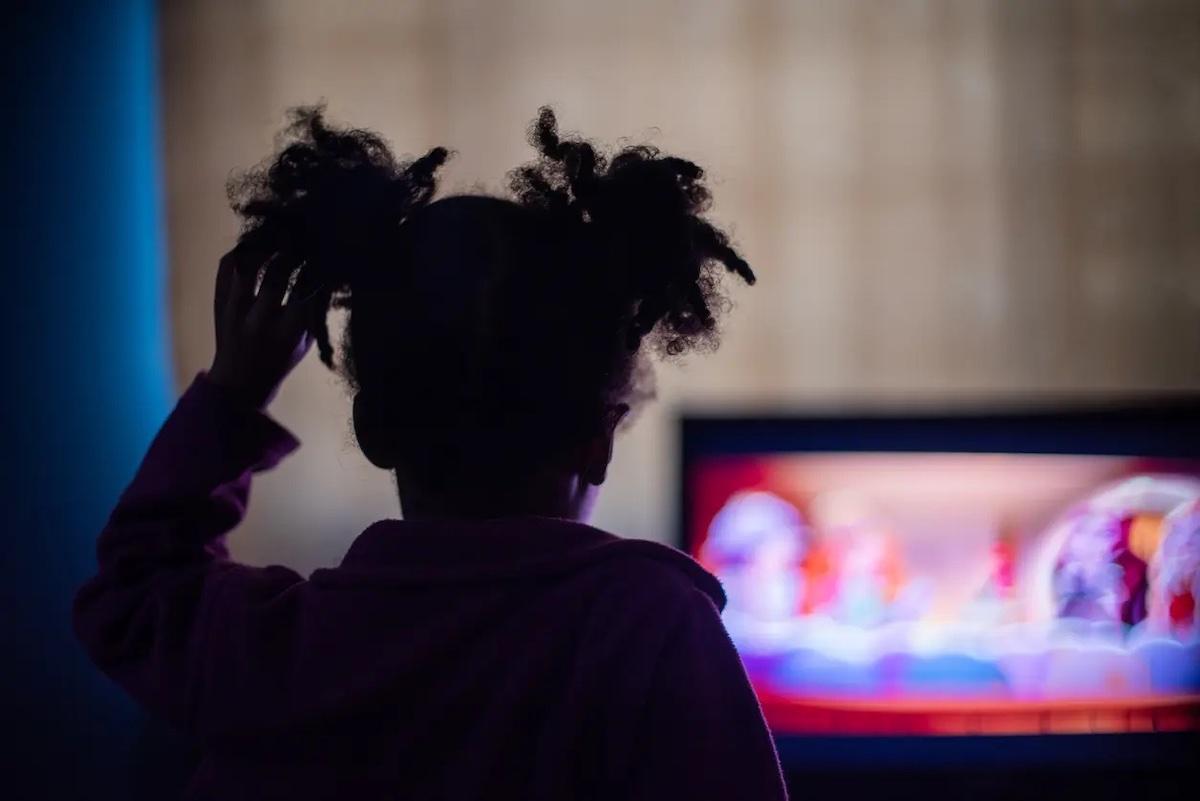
924	585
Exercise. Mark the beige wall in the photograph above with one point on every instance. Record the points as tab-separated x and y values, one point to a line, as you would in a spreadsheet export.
946	201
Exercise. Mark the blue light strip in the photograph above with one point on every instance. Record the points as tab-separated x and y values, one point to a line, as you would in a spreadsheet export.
86	358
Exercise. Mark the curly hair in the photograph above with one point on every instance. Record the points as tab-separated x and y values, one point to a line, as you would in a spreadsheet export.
493	331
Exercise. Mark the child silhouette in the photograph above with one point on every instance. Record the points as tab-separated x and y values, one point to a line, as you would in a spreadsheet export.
490	644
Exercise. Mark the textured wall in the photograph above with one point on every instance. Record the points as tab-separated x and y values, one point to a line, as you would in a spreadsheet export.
946	201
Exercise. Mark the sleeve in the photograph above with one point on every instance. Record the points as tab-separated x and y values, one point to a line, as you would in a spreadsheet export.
703	735
169	616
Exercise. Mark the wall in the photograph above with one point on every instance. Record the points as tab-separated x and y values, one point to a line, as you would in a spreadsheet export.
947	202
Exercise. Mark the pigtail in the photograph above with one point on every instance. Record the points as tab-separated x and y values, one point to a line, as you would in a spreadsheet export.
641	215
332	199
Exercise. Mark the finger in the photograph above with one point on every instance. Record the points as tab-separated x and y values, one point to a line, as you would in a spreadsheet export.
302	301
275	282
241	289
233	292
254	249
226	272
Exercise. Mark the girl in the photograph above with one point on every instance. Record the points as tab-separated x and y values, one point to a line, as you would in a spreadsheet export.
490	645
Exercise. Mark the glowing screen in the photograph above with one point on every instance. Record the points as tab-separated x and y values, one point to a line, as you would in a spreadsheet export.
958	593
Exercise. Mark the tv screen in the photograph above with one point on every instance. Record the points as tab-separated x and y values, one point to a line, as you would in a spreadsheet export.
906	576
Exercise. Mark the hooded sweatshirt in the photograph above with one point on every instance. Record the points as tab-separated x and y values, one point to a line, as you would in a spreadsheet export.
514	658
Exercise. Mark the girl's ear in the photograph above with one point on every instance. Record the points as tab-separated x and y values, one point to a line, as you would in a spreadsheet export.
372	431
599	451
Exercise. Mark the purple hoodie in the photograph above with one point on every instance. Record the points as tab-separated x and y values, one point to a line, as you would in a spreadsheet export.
523	658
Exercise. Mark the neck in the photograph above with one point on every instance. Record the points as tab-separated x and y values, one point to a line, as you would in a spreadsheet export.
568	498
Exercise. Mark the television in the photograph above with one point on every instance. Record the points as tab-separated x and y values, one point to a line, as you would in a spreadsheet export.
918	582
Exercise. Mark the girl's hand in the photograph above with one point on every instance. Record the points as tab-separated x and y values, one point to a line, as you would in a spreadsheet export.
259	337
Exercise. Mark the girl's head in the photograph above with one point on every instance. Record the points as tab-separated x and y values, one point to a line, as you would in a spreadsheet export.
493	344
